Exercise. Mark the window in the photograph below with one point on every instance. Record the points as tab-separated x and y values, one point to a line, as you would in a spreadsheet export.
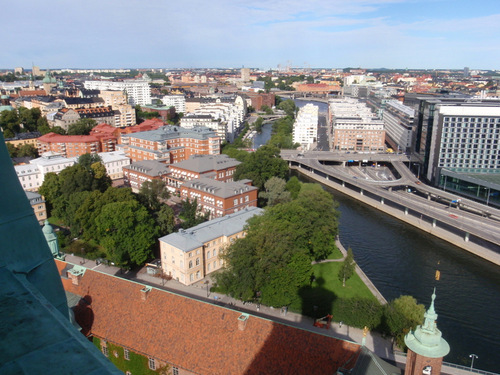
105	350
151	363
197	261
126	354
190	264
175	371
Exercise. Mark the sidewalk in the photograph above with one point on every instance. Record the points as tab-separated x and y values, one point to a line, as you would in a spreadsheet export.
380	346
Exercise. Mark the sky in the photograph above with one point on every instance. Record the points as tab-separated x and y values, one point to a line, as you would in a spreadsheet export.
397	34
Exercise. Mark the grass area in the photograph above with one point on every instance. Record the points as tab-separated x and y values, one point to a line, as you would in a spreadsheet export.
136	364
336	254
326	291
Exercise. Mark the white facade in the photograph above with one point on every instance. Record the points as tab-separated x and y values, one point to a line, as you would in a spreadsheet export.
138	90
114	162
305	128
177	101
32	175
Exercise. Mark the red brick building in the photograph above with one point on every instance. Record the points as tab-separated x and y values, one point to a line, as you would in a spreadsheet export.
220	198
194	337
260	99
76	145
218	167
171	144
137	173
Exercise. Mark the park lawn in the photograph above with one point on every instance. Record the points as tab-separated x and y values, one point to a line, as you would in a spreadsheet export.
336	254
319	299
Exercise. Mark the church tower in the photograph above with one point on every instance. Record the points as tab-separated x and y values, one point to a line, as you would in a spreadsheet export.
426	347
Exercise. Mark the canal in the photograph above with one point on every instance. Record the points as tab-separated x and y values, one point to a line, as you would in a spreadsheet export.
402	260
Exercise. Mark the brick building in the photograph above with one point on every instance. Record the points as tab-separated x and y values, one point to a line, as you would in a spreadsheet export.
171	144
123	317
137	173
76	145
220	198
218	167
257	100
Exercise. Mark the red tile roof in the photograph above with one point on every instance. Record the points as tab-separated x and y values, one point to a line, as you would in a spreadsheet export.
201	337
53	137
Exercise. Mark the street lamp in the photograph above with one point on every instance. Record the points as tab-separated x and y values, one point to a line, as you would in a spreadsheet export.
208	290
473	356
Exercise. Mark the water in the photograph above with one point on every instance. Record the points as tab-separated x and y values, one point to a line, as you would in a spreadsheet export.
401	260
264	136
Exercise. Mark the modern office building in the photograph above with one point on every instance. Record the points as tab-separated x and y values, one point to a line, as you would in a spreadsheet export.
305	127
399	125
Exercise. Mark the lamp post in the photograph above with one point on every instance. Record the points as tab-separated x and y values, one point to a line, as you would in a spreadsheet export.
208	290
473	356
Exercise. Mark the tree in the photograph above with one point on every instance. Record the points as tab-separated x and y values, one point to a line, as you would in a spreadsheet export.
82	127
86	160
11	149
258	124
58	130
293	186
261	165
275	191
288	106
347	268
152	192
401	315
127	232
274	258
165	220
191	214
267	110
27	150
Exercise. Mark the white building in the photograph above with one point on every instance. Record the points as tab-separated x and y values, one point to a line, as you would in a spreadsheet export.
399	125
177	101
305	128
33	174
138	90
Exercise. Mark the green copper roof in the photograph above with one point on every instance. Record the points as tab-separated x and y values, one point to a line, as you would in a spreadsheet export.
426	340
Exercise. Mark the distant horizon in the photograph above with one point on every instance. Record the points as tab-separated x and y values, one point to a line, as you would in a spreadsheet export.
258	33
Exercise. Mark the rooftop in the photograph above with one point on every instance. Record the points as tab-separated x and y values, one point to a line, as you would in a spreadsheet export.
219	188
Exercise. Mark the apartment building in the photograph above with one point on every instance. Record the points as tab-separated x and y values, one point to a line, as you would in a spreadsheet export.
138	90
355	127
220	198
176	101
38	204
305	127
218	167
171	144
76	145
190	255
137	173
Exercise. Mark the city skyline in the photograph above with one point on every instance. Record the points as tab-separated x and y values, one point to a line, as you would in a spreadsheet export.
426	34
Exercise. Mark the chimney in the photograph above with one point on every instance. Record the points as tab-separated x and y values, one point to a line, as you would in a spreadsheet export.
242	321
144	292
76	274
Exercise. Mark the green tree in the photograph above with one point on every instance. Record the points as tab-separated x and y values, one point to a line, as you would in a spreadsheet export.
27	150
267	110
258	124
152	193
347	268
11	149
274	258
288	106
402	315
165	220
191	214
261	165
58	130
86	160
82	127
127	232
9	122
293	186
43	125
275	191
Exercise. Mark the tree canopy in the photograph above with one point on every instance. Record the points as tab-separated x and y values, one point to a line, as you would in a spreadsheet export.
82	127
274	258
402	315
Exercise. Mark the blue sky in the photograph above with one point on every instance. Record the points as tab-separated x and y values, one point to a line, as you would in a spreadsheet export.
256	33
